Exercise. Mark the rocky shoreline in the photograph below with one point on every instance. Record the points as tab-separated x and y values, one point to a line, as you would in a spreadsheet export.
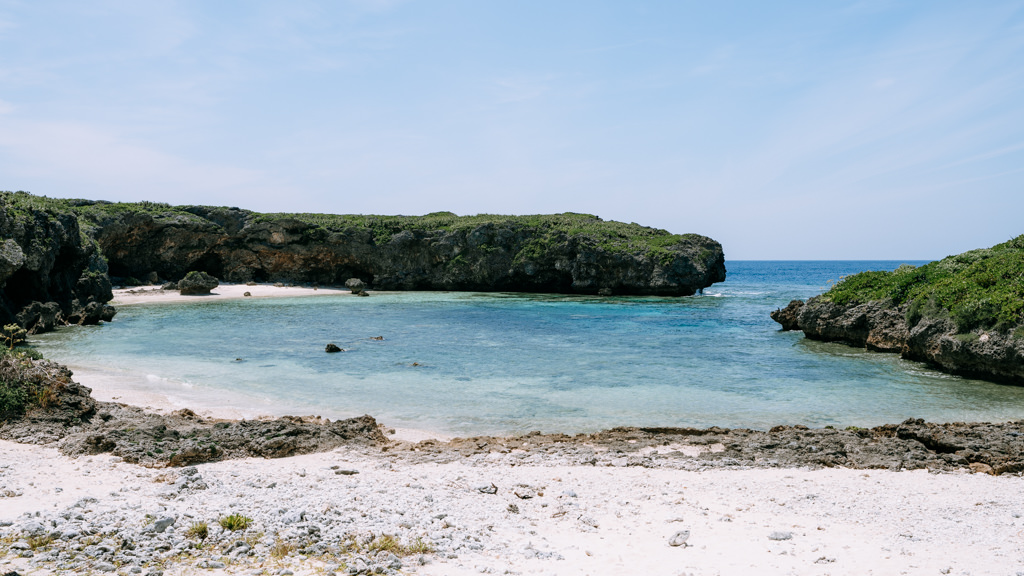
167	494
77	424
882	326
174	491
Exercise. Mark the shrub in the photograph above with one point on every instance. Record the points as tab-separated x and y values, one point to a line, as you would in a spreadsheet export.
12	335
13	400
25	382
235	522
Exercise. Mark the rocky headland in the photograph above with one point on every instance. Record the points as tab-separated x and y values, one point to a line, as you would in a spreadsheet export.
58	256
50	271
963	314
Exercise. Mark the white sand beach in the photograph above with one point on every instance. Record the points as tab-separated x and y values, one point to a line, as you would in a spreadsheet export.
155	295
540	520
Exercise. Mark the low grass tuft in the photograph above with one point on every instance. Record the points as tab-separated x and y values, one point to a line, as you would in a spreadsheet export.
281	548
235	522
388	543
419	546
198	530
37	542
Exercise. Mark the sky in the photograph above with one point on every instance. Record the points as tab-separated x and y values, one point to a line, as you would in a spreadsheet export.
865	129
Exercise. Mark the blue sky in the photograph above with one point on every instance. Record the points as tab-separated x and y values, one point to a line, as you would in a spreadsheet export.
785	130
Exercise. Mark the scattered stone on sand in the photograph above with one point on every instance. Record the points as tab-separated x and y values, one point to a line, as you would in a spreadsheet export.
679	538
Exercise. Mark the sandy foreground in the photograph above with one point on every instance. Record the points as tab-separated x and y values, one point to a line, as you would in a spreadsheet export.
564	520
321	513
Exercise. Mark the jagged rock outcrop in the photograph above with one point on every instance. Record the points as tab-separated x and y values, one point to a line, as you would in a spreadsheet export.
50	273
195	283
881	325
963	314
240	246
41	404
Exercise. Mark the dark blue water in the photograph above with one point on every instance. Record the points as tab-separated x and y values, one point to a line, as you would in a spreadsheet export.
470	363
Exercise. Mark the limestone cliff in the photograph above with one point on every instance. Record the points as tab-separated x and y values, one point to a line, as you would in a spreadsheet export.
564	253
50	273
881	326
57	256
963	314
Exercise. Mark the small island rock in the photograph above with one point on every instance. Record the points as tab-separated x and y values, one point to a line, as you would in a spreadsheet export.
355	285
197	283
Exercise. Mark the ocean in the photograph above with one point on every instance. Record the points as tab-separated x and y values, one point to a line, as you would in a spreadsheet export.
497	363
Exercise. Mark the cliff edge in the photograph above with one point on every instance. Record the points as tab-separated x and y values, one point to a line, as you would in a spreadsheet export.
57	256
50	272
562	253
963	314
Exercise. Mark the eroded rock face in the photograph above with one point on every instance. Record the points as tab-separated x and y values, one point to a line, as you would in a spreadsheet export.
50	274
912	444
882	326
789	315
237	246
183	439
81	425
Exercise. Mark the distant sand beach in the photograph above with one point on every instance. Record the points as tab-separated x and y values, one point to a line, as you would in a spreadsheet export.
156	295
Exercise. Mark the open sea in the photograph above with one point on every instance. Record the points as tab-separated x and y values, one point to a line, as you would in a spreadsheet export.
472	363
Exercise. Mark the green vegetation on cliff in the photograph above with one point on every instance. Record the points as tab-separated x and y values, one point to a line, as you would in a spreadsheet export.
613	237
564	253
609	235
977	289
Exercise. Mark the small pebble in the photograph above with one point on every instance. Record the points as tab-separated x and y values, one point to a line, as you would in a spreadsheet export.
679	538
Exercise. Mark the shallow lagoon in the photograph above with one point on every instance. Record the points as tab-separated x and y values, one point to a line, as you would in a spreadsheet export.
471	363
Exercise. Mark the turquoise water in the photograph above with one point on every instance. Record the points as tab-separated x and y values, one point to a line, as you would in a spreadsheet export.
471	363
